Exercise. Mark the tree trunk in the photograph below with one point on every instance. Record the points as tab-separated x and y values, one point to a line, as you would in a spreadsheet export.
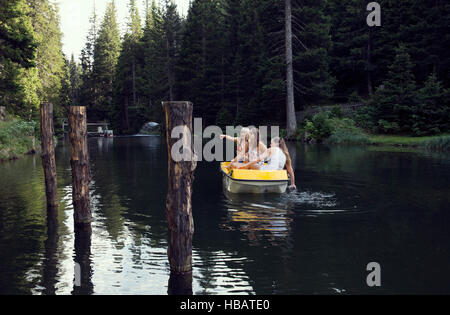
180	179
134	81
79	161
369	61
125	122
48	159
291	122
2	113
169	70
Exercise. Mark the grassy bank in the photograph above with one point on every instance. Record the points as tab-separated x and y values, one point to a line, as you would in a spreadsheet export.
439	142
17	138
331	127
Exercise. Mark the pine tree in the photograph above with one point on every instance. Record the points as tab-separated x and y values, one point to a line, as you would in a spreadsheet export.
16	33
17	58
394	102
352	50
172	32
313	80
87	92
75	81
427	34
153	85
201	66
432	112
106	54
50	60
127	73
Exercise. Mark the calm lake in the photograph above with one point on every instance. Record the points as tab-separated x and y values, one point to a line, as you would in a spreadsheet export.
354	205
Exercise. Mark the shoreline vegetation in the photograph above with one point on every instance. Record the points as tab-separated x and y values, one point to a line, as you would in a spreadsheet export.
17	138
331	127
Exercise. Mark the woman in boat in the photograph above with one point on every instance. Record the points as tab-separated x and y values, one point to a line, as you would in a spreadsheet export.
242	143
278	158
255	148
241	149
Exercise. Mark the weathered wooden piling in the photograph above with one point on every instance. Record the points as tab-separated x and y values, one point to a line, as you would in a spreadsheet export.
79	161
48	159
180	178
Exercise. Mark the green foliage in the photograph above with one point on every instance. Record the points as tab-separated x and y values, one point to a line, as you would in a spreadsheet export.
228	58
17	58
86	92
336	112
431	115
392	104
75	82
320	128
354	98
50	61
345	131
145	72
17	137
32	66
17	34
106	53
384	126
325	127
441	143
313	79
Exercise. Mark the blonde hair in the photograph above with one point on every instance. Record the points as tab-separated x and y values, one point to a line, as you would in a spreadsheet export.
245	131
255	132
243	138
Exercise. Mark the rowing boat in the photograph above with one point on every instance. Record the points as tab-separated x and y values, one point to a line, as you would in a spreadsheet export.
254	181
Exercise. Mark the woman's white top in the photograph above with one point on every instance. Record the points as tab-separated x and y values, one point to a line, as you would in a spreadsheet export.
277	160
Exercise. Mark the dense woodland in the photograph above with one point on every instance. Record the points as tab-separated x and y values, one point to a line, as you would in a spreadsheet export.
229	58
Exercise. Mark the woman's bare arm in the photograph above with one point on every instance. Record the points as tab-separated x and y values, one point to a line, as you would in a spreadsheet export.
262	157
262	147
234	139
291	173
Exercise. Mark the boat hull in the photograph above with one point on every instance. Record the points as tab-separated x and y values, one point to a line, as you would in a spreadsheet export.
254	181
253	187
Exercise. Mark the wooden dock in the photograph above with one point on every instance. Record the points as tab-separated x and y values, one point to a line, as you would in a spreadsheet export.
95	129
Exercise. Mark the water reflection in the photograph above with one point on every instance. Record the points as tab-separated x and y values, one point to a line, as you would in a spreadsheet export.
180	284
50	268
353	205
257	214
82	260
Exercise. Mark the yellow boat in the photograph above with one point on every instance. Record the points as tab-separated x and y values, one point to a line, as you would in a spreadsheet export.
254	181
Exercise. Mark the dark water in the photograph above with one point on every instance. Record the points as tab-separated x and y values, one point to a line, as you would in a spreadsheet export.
353	206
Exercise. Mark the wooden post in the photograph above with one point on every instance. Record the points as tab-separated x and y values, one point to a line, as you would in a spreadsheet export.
79	161
2	113
180	179
48	159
